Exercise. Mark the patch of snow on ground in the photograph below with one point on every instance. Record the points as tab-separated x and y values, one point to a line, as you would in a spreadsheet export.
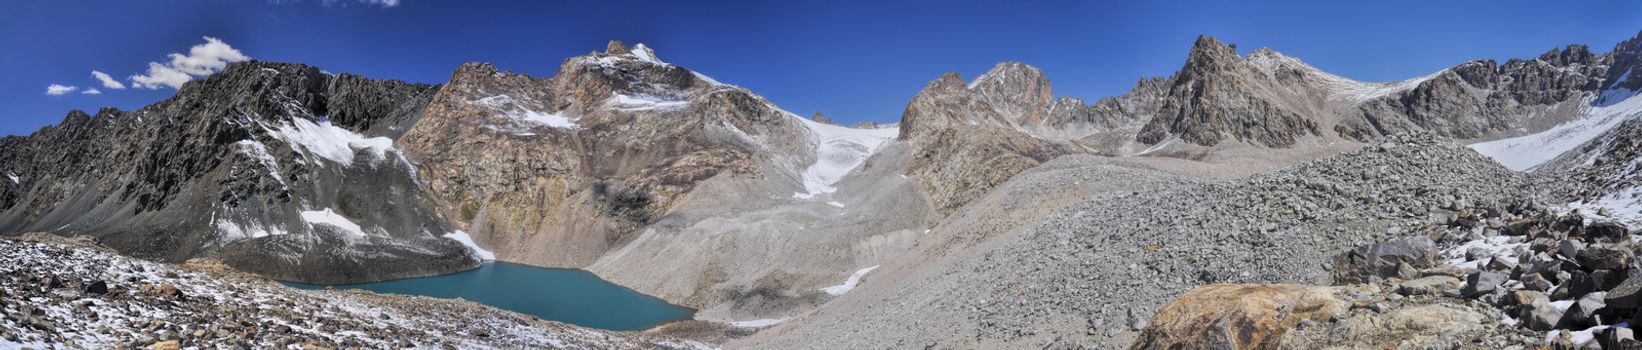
13	178
462	237
835	204
525	117
839	150
1624	206
1578	337
1498	246
1527	152
330	141
642	102
855	279
232	231
764	322
331	218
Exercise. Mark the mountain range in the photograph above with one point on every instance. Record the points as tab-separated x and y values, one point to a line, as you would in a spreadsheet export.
708	195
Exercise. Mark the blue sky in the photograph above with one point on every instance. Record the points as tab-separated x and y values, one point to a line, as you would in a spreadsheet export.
852	60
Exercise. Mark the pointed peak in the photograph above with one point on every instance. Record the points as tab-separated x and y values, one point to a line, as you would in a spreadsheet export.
948	80
1208	45
615	47
1010	72
819	118
1570	54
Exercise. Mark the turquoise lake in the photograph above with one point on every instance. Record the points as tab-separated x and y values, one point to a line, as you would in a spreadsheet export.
566	295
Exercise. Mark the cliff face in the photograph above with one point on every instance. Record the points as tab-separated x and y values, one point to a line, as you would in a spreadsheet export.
555	171
1273	100
273	168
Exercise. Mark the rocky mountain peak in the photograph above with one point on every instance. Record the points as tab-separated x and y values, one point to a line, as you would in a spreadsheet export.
949	81
1572	54
819	118
1207	49
615	47
1624	72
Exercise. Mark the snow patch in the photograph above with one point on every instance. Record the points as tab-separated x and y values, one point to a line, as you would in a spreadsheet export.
838	151
759	323
232	231
13	178
331	218
1526	152
644	53
525	117
1578	337
256	150
642	102
462	237
835	204
1624	205
854	279
1501	246
709	80
331	142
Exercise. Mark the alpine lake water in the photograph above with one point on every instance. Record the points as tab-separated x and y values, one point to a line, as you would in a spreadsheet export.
565	295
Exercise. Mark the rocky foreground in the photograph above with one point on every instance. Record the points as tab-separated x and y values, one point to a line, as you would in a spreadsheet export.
58	293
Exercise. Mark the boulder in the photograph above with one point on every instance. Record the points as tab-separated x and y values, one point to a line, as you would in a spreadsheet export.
1535	282
1617	338
1569	248
1577	285
167	345
1238	316
1480	283
1583	313
1572	224
1604	258
1372	262
1541	315
98	287
1607	279
1607	231
1628	294
1531	227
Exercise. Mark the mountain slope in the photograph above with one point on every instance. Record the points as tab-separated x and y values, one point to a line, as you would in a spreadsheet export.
273	168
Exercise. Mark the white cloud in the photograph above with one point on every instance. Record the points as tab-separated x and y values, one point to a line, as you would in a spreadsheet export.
108	81
59	89
201	60
92	91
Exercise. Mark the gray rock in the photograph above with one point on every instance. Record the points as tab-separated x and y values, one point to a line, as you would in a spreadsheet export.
1583	313
1535	282
1605	258
1382	259
1628	294
1482	282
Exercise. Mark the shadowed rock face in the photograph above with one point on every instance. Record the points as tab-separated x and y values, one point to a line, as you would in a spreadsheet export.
555	171
1273	100
228	167
1212	99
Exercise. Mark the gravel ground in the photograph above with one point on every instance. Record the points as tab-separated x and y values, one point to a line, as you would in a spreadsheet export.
1091	275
